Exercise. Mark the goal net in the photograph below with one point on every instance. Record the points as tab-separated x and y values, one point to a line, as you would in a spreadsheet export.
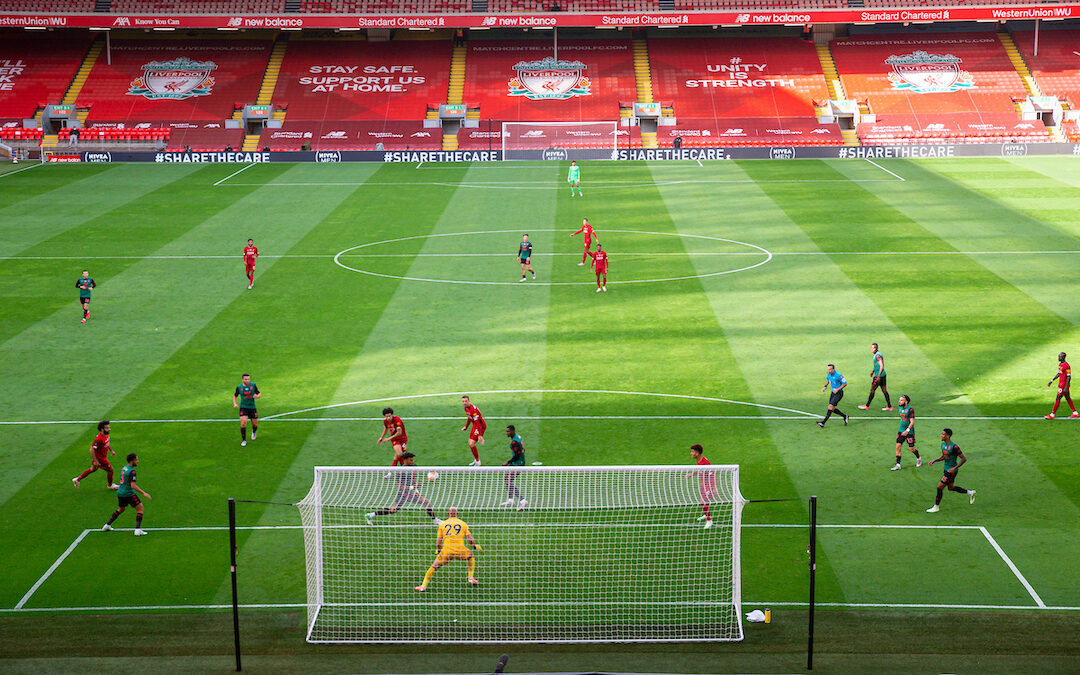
530	140
595	554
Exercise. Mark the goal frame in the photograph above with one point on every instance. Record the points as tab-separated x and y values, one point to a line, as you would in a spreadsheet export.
532	151
316	599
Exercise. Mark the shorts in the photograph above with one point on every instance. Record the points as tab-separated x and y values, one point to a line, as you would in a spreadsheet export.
103	463
601	271
400	443
525	261
249	268
835	398
129	500
475	434
909	439
1063	391
250	413
84	298
881	381
407	495
949	478
446	556
708	495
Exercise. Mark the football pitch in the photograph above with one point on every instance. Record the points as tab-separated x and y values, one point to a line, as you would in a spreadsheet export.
731	286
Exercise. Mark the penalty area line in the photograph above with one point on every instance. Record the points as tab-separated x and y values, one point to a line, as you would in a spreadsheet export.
902	180
234	173
1012	566
52	568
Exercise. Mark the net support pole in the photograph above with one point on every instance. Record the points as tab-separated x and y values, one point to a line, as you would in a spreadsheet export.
813	569
232	571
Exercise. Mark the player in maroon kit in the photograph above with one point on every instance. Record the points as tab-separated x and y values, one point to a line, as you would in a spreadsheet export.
709	491
600	265
1064	379
99	456
589	233
398	438
476	433
251	251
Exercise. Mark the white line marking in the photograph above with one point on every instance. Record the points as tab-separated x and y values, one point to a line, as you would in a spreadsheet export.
493	507
25	168
52	568
235	173
419	165
1009	562
700	164
885	170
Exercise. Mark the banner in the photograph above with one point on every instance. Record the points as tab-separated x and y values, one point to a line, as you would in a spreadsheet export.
297	21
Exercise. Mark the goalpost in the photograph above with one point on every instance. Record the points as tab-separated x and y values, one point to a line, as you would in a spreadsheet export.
596	554
525	140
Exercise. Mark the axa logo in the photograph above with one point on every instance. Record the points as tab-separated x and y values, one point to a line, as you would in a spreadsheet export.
122	21
334	134
489	21
533	133
422	134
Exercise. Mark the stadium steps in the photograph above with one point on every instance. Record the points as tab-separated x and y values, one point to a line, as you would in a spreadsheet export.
449	141
102	6
50	141
273	70
832	78
850	136
648	140
251	142
1030	85
75	88
642	71
472	112
432	111
455	92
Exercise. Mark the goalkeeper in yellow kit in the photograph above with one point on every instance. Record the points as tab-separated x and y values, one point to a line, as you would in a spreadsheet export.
450	545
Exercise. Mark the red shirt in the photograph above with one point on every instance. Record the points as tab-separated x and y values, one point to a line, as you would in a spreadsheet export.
1063	374
394	425
599	260
250	253
101	446
588	230
708	479
473	416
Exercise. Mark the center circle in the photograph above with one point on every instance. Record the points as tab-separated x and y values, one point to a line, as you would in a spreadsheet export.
755	251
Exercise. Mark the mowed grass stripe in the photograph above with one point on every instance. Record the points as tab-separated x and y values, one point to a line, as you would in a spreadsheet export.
27	181
34	289
949	329
139	362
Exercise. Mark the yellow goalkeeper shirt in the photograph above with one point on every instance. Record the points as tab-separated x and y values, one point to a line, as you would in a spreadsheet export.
452	533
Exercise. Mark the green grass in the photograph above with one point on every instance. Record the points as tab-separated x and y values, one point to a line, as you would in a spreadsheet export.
962	272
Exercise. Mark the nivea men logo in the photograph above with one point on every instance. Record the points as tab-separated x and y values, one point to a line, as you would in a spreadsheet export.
1014	149
782	153
556	154
328	156
97	157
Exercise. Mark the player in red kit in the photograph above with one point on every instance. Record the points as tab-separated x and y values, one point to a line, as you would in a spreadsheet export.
589	233
251	251
1064	379
600	265
99	456
709	490
476	433
393	425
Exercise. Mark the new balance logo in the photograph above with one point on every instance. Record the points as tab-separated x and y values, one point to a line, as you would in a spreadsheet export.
235	21
489	21
534	133
742	18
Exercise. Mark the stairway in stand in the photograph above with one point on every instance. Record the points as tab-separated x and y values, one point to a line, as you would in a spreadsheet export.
456	91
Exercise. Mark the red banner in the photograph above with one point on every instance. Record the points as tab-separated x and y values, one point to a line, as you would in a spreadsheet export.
298	21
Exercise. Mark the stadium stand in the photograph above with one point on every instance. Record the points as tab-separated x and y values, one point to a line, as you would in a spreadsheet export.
58	6
384	7
197	6
422	75
352	135
130	91
930	85
749	131
591	93
17	134
38	69
1057	67
953	127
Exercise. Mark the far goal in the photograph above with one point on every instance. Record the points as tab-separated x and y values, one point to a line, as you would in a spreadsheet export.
553	140
594	554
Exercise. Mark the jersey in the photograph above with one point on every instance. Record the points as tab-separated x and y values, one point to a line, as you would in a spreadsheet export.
574	175
879	364
708	479
101	445
950	451
907	417
836	380
600	260
394	425
473	416
517	448
453	533
127	479
525	250
85	286
588	231
250	253
247	392
1063	374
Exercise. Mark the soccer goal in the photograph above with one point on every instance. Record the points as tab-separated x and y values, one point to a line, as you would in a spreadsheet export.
594	554
552	140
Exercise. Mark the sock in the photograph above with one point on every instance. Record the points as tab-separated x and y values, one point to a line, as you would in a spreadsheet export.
938	499
957	488
1071	406
383	512
138	521
898	458
837	411
108	478
887	401
916	452
427	576
472	567
431	513
254	428
584	254
705	508
513	493
89	471
395	462
475	452
243	433
828	414
869	399
114	516
85	313
598	282
1057	402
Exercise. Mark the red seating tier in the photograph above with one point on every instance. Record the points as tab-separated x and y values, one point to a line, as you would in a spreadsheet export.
353	135
952	127
126	90
591	92
351	80
1057	67
197	6
737	77
117	134
37	69
15	134
963	72
749	131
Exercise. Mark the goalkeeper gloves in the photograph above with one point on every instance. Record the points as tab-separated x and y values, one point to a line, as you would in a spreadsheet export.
478	547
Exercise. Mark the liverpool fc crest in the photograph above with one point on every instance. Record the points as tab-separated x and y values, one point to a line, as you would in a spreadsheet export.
177	79
922	73
549	79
